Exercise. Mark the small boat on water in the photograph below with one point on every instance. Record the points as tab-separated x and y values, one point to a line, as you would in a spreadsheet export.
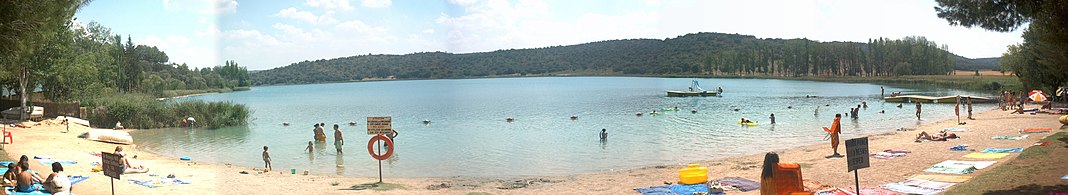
929	99
694	90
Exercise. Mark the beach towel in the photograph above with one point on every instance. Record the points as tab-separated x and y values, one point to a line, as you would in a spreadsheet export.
39	187
1009	137
742	184
1065	177
1036	130
961	147
951	170
655	190
75	179
943	178
898	187
1042	143
982	155
923	183
887	155
689	189
815	186
954	129
146	183
1002	150
961	163
863	191
5	163
49	161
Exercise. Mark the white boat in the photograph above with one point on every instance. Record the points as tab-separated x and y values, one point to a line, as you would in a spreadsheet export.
695	90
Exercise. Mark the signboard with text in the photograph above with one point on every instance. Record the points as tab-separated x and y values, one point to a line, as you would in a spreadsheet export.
379	125
857	153
112	164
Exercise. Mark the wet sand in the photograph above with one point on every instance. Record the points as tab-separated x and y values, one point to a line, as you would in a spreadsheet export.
45	138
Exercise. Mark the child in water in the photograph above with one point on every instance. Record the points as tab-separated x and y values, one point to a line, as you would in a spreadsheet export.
309	147
266	160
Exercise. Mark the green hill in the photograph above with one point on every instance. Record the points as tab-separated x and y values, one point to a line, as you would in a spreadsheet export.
697	53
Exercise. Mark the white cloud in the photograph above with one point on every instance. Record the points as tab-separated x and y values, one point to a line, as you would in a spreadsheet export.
225	6
308	17
182	49
212	7
376	3
463	2
330	4
428	31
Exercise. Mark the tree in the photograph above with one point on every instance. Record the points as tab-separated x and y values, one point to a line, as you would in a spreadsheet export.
1043	57
27	26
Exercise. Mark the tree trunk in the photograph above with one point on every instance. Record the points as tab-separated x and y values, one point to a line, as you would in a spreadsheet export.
23	80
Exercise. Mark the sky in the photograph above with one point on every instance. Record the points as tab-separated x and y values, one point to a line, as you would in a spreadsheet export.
268	34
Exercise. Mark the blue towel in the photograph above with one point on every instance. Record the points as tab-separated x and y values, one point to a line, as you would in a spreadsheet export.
1002	150
656	190
40	190
959	148
75	179
5	163
742	184
688	189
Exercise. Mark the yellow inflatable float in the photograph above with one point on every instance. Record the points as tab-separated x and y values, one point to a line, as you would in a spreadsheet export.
1064	120
750	123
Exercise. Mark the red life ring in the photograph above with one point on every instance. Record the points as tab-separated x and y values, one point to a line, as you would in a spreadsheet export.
371	147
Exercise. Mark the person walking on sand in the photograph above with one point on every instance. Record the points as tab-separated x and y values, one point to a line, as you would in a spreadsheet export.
970	108
956	110
338	141
266	160
834	131
918	106
772	118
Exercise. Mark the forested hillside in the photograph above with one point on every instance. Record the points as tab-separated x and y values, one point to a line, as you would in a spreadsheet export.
699	53
978	63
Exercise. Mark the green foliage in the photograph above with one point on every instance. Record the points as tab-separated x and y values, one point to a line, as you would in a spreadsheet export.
1041	61
700	53
144	111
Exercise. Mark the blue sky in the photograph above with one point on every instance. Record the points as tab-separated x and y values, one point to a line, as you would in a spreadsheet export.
268	34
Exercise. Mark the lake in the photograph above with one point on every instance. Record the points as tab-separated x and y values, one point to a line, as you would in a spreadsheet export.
468	135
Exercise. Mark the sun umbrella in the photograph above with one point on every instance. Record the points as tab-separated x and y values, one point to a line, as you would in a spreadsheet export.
1037	96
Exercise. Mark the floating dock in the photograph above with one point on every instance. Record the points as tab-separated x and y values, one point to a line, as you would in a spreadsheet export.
691	93
929	99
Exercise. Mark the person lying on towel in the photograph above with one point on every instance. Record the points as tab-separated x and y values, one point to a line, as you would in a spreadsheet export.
941	136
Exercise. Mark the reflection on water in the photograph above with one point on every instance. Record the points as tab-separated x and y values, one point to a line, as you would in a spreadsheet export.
469	136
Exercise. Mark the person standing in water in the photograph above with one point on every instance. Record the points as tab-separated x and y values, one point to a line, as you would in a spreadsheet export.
338	141
604	134
266	160
882	91
309	149
836	128
772	118
918	106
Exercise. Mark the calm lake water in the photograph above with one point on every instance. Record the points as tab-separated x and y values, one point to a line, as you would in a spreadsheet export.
468	135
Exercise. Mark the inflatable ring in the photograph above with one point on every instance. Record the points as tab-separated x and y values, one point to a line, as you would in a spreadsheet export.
371	147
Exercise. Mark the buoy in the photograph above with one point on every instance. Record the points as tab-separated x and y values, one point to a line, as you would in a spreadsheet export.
426	121
509	119
573	117
693	110
285	123
639	114
352	122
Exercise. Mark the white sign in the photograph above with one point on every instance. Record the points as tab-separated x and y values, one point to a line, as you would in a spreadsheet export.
379	125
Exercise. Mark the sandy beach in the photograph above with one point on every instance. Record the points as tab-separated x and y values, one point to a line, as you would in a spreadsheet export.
47	139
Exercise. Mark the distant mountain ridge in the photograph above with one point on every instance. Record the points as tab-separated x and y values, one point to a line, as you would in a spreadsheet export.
978	63
695	53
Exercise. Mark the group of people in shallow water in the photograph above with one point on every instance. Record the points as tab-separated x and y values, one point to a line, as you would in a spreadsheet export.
320	136
20	176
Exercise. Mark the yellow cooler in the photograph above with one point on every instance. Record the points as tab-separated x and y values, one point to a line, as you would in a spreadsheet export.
693	174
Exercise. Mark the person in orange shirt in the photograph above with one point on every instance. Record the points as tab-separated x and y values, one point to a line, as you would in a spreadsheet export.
834	131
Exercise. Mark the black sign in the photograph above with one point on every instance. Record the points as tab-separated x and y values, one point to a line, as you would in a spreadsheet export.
857	153
112	164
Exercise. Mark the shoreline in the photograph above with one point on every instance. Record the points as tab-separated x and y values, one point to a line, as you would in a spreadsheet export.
968	83
220	178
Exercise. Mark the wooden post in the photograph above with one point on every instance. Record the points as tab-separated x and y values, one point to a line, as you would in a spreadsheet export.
379	162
